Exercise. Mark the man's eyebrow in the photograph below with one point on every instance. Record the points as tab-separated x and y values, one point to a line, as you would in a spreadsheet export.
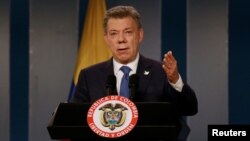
112	30
127	28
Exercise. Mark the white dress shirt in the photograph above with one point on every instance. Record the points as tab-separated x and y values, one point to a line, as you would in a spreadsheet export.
119	74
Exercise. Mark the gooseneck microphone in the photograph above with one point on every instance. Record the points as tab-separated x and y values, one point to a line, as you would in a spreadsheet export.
111	85
133	84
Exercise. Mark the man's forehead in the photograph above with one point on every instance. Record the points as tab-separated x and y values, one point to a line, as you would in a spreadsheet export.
121	23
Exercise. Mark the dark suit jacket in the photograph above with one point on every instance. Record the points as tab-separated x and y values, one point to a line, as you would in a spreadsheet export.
153	87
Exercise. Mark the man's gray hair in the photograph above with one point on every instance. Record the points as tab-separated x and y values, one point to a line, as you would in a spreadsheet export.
122	12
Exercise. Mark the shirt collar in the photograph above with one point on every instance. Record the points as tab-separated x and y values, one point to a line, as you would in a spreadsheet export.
133	65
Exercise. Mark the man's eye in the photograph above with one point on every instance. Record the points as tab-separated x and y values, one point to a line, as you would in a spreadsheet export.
128	32
113	34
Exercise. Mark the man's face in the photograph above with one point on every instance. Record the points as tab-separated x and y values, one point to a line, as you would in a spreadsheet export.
123	37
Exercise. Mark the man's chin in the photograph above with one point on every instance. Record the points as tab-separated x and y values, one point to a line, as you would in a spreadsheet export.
124	60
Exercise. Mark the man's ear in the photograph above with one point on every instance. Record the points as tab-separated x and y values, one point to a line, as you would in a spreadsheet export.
105	37
141	35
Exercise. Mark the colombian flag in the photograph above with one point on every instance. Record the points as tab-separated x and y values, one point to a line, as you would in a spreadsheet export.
93	48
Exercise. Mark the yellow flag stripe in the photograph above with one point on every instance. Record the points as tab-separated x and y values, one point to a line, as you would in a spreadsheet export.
93	48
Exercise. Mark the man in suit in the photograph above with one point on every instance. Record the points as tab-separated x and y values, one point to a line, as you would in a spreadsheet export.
157	81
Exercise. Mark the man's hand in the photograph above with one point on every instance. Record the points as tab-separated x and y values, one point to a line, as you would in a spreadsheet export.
170	67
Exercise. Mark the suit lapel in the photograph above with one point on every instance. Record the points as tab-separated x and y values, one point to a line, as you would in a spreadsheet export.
144	73
108	69
104	71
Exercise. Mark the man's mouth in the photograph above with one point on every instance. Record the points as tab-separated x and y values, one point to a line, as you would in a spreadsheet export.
122	49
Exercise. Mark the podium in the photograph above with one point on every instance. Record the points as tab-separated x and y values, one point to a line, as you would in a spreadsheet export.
157	120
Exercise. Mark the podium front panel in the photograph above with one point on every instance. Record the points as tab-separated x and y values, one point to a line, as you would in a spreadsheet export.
157	120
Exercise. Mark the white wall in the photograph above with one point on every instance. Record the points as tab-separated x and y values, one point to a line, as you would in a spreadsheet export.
207	65
53	47
4	69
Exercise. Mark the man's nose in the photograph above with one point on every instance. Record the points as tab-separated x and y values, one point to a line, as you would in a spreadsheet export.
121	38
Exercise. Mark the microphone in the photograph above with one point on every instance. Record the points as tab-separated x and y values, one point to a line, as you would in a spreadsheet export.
111	85
133	84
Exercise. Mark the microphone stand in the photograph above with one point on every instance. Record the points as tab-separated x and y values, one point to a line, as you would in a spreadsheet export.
133	84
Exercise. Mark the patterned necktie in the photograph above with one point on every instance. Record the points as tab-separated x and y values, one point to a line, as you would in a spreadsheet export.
124	89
